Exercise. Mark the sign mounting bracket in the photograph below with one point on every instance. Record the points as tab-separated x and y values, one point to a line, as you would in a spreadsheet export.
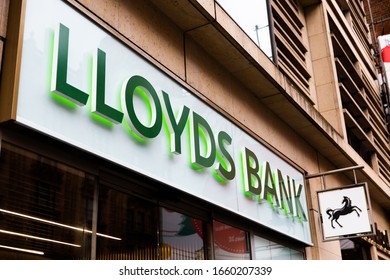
326	173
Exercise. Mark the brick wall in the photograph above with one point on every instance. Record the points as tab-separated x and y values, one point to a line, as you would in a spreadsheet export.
380	16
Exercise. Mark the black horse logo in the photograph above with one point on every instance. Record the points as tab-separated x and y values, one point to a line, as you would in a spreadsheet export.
335	214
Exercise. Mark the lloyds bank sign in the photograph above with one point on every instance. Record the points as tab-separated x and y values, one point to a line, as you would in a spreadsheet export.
82	86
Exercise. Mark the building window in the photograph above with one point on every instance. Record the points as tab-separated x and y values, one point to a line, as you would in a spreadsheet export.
268	250
354	249
230	243
129	225
252	17
49	210
45	208
182	236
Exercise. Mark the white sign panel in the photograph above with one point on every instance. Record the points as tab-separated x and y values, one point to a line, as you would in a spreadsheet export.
345	212
82	86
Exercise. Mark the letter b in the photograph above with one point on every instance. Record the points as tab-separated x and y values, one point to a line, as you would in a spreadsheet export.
252	182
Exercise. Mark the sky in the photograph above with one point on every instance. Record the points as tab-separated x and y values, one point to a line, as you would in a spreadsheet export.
251	15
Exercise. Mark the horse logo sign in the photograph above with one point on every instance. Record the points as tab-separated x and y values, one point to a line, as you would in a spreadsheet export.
335	214
345	212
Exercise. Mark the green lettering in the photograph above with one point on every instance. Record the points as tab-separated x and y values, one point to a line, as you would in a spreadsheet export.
99	106
285	198
176	128
199	160
252	182
138	84
227	172
59	83
268	189
300	213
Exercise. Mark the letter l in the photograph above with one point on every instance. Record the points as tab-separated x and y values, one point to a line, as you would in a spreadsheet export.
59	83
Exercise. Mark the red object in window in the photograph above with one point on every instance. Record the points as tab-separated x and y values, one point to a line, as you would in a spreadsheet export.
229	238
386	54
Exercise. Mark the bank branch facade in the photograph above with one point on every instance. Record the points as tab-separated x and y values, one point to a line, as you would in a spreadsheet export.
110	151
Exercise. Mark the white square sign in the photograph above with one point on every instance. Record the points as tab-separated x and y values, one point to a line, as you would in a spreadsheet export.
345	212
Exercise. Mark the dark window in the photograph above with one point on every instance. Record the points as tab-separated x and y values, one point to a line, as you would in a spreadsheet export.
354	250
44	208
47	211
127	227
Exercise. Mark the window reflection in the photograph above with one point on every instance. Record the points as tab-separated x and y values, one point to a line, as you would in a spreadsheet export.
46	211
132	220
268	250
136	223
230	242
45	208
182	236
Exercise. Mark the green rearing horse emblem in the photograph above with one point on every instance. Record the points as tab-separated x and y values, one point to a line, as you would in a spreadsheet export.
334	214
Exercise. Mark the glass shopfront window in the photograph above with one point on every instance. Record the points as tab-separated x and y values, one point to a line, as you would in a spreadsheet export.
268	250
182	236
127	227
49	210
230	243
133	227
45	208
